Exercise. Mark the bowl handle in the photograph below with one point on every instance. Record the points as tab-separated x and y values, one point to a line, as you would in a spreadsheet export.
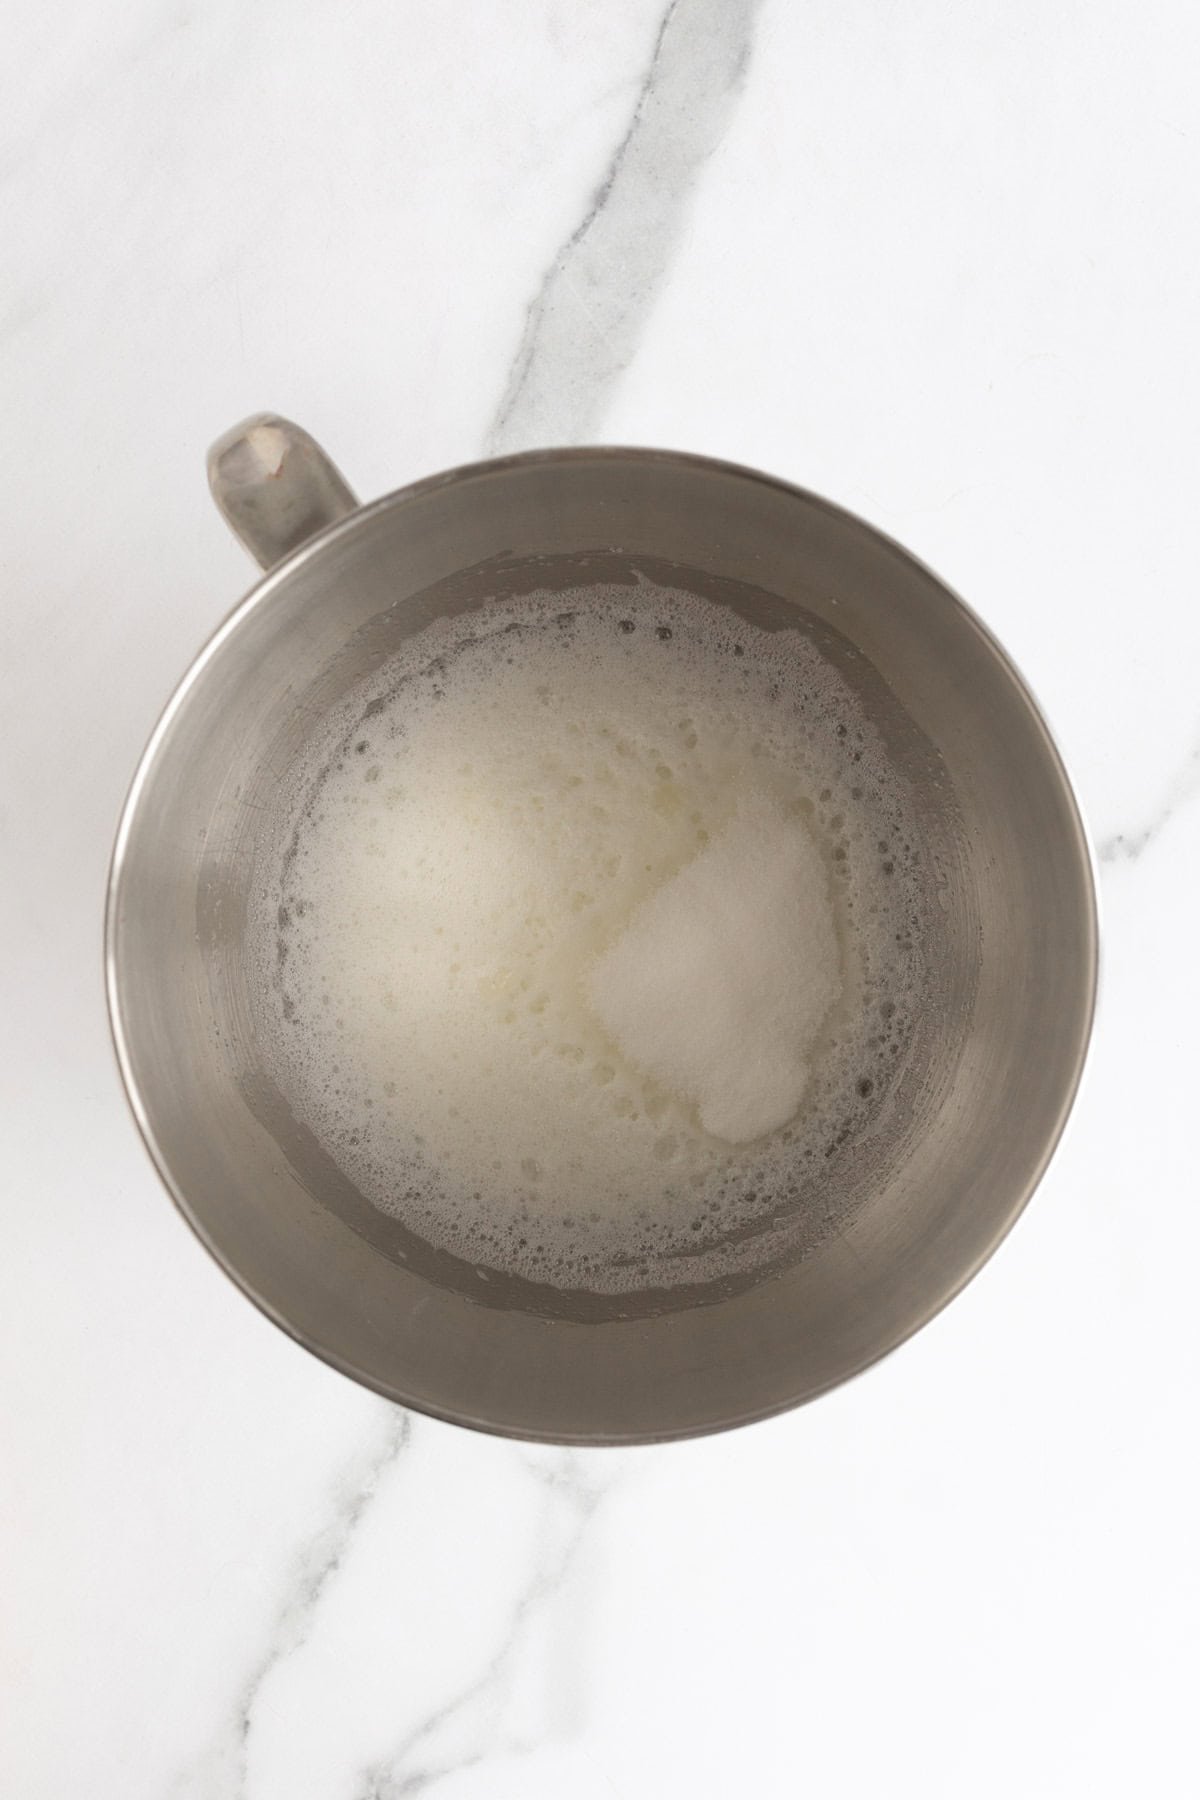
275	486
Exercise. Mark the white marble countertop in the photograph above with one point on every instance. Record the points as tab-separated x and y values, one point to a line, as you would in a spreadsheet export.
940	262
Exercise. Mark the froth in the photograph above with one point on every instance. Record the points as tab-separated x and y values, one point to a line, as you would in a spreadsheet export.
722	979
462	929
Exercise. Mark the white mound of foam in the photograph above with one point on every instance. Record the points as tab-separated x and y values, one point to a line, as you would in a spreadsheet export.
724	976
586	932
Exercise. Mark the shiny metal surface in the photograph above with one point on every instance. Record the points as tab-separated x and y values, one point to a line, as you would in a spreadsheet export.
913	1212
275	486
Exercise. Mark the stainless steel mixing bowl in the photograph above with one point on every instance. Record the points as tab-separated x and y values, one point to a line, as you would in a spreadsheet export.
904	1216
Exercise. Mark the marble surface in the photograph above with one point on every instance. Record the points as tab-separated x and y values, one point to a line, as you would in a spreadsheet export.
940	262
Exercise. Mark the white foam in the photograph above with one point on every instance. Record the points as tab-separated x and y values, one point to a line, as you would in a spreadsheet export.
504	836
720	982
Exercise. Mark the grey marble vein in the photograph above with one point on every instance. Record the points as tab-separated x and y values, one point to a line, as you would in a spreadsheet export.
573	1484
583	324
1129	845
220	1773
